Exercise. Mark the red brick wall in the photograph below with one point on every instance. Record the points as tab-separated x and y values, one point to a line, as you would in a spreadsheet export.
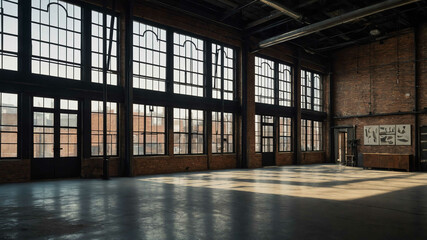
283	159
376	78
169	164
312	157
15	171
422	55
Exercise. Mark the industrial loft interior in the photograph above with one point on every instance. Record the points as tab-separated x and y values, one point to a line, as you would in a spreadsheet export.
213	119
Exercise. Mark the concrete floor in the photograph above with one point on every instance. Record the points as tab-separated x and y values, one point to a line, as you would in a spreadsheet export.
295	202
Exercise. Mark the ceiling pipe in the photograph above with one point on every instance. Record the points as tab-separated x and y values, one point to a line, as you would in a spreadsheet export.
335	21
283	9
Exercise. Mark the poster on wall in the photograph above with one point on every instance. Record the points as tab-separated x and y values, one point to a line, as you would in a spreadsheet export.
403	134
387	134
371	135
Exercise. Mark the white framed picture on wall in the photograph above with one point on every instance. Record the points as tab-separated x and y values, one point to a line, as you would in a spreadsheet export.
371	135
403	134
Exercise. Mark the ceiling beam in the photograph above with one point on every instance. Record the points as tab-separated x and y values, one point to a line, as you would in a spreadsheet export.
334	21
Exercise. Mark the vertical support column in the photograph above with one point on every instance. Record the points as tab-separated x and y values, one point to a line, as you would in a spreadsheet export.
330	128
24	39
208	94
25	126
244	89
416	94
86	43
127	169
297	117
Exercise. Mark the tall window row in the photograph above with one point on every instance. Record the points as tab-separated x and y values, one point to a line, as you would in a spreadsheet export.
9	34
149	130
311	135
97	128
311	91
273	82
265	136
188	63
8	125
222	132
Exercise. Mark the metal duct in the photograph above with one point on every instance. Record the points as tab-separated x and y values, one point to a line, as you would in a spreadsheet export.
283	9
332	22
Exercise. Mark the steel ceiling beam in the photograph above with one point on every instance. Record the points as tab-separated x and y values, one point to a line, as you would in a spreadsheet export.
334	21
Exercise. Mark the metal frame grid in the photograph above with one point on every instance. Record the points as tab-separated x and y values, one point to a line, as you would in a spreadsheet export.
264	81
285	85
97	128
197	133
267	134
258	133
149	57
285	134
149	130
8	125
181	119
43	127
223	72
317	93
222	132
9	34
99	44
317	136
188	65
56	39
69	128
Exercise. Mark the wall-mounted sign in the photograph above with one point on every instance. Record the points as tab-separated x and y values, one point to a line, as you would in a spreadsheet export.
387	135
371	134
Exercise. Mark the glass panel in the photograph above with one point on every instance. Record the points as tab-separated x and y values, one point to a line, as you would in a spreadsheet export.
9	37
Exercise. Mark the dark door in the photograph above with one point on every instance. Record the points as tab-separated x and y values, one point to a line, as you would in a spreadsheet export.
55	138
267	141
423	148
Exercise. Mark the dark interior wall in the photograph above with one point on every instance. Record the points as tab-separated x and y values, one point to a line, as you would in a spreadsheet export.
374	84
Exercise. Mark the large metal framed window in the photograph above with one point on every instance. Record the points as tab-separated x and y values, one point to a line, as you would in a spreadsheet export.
223	72
97	128
188	131
222	132
317	93
317	136
285	85
311	135
285	134
311	91
56	39
188	65
8	125
100	47
149	57
264	81
69	128
257	133
9	34
149	130
43	127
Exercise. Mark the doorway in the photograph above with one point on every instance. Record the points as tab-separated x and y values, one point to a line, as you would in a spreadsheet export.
55	138
267	141
342	147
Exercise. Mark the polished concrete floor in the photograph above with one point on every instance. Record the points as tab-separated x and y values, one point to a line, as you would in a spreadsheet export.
295	202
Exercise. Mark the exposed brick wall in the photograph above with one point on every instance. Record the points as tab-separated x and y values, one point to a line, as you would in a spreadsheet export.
312	157
376	78
283	159
169	164
225	161
15	171
422	55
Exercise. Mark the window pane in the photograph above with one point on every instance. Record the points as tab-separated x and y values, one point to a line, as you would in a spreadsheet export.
98	43
188	65
264	81
223	72
97	127
9	35
149	57
56	39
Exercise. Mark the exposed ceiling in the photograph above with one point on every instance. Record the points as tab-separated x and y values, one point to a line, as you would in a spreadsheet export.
262	21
